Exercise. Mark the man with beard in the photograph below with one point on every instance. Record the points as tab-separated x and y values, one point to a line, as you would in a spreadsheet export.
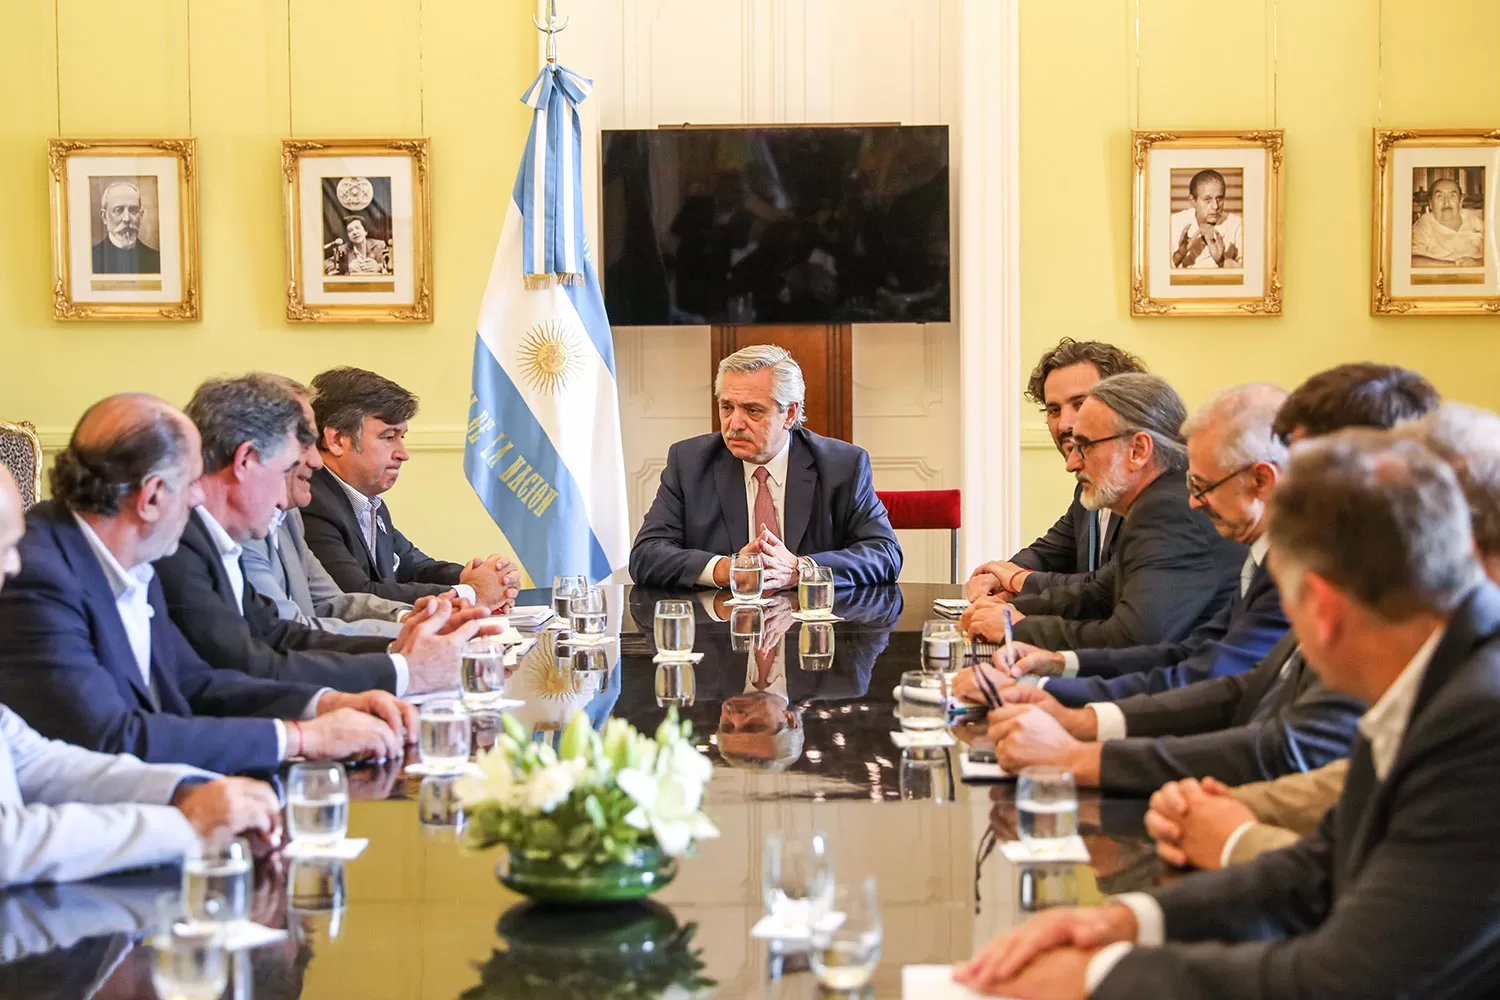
1447	234
121	251
1206	235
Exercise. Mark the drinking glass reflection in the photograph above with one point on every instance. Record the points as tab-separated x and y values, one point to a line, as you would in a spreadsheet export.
815	646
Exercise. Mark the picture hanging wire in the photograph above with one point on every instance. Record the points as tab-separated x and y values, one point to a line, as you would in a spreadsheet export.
290	130
57	58
187	8
551	28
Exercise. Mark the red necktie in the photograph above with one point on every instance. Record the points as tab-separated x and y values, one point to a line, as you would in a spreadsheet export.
765	508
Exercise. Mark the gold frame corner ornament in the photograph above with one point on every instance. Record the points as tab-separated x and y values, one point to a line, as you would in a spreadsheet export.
185	151
1269	303
420	308
1382	272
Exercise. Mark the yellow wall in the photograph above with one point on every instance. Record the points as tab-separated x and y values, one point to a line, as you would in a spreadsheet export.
358	68
1209	65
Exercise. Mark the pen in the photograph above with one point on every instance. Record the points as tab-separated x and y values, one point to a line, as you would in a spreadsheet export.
1010	640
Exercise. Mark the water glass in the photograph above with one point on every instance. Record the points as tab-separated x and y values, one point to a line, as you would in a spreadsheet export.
925	774
923	705
942	646
217	884
589	616
746	576
446	735
189	958
795	870
1047	804
674	628
316	896
317	804
845	935
815	590
815	646
482	675
564	589
746	623
676	684
438	804
1044	886
590	661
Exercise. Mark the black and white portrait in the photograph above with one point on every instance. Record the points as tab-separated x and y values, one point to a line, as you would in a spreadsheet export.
1207	229
1447	209
357	226
126	224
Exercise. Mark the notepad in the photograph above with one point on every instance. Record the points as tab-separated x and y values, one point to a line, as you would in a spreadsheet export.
934	982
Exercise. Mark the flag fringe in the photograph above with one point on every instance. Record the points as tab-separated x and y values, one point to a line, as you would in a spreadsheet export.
541	282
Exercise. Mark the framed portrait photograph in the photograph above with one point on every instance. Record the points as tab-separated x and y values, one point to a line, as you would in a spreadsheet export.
124	228
358	230
1435	247
1206	223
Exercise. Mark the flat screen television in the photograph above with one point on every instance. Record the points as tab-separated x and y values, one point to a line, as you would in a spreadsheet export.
728	226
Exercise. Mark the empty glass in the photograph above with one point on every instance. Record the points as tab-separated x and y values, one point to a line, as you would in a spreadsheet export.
942	646
564	589
589	616
216	885
189	958
815	646
482	676
676	684
745	625
925	774
1047	807
674	628
317	803
446	735
815	590
795	870
746	576
845	935
923	705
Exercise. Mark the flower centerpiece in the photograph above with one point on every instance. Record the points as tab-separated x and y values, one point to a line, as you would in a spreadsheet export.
603	818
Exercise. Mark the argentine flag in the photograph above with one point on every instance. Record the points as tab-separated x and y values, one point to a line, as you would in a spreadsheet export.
543	446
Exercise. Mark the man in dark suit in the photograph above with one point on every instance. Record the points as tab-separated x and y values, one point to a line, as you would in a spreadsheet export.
1171	570
362	422
1390	897
91	655
1081	540
253	432
764	484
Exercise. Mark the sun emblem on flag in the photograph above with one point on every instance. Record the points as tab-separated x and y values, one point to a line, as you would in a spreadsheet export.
549	356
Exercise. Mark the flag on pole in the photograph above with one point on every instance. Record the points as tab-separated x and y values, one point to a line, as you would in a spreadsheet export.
543	446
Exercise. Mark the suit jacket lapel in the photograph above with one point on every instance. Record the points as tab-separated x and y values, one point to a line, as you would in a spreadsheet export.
385	550
114	644
801	482
729	480
293	575
1110	531
197	538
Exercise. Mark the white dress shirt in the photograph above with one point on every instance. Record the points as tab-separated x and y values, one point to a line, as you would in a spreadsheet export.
364	514
132	590
776	483
1384	725
1231	230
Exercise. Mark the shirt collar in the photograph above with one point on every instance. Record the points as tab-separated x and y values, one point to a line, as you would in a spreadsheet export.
121	580
228	547
776	467
1259	548
358	499
1384	725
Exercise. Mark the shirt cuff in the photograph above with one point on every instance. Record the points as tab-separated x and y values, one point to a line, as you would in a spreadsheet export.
1070	663
403	672
1103	963
1233	842
311	711
280	738
706	578
1150	921
464	591
1040	682
1109	721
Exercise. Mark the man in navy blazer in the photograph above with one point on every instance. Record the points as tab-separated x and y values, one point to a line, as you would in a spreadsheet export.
764	484
90	653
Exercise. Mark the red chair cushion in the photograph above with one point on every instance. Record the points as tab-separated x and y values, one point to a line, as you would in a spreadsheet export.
923	508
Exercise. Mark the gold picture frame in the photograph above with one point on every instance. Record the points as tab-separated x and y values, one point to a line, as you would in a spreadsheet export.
1421	266
1174	269
379	271
110	199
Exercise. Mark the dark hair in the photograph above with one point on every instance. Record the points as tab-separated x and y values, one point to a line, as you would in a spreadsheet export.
355	218
1206	175
1107	359
1361	394
1382	519
344	397
253	408
94	478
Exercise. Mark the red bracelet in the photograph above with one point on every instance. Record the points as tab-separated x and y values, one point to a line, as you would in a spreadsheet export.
1010	585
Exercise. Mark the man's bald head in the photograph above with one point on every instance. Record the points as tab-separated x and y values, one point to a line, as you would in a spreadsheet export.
120	443
12	526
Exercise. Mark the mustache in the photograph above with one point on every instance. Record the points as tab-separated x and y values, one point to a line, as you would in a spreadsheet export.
737	436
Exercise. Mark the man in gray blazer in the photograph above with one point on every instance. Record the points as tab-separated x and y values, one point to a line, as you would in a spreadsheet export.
67	813
1391	896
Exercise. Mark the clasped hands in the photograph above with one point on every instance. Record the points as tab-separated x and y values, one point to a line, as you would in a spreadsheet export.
495	580
1192	820
778	563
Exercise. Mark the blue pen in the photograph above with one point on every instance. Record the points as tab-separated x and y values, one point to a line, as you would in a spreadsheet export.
1010	640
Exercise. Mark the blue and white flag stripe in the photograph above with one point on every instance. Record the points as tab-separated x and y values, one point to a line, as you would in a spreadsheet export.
548	186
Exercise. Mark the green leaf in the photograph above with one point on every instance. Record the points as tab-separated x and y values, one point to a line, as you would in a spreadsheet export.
514	729
595	811
575	738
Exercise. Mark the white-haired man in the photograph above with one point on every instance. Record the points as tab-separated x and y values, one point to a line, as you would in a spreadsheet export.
121	251
767	484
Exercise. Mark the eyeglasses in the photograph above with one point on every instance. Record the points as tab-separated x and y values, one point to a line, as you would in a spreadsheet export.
1083	444
1199	492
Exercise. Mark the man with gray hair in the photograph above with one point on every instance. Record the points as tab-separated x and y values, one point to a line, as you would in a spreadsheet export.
1171	571
122	251
1372	548
764	484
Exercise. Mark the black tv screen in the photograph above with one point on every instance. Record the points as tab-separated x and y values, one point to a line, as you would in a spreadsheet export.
725	226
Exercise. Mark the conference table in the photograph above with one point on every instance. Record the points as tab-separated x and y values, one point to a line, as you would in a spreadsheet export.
421	915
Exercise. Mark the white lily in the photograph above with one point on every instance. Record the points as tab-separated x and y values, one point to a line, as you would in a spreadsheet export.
667	805
550	786
497	783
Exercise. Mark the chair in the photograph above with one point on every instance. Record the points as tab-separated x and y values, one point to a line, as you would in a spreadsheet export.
21	453
926	509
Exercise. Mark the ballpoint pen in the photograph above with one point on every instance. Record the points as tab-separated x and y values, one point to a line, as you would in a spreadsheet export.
1010	640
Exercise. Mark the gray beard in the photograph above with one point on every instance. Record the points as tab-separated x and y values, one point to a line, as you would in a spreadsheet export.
125	246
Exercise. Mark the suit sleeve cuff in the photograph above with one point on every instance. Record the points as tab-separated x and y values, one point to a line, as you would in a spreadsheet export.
464	591
1150	921
1103	963
1233	842
403	672
706	578
280	738
1070	663
1109	719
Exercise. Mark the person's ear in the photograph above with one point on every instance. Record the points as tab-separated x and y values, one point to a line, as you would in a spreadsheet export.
335	442
147	501
791	416
1266	478
1327	605
244	456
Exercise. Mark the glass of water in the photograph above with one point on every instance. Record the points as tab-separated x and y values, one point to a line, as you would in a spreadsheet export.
942	646
925	773
1047	804
589	616
746	622
746	574
795	871
317	803
1044	886
815	590
674	628
446	735
815	646
845	936
482	676
216	885
189	958
923	705
676	684
316	897
564	589
438	804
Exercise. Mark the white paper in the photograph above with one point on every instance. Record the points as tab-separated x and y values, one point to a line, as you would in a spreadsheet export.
423	768
1071	849
676	657
934	982
807	616
936	738
345	850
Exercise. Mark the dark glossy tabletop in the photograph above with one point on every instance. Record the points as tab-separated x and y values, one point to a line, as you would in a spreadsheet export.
419	916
